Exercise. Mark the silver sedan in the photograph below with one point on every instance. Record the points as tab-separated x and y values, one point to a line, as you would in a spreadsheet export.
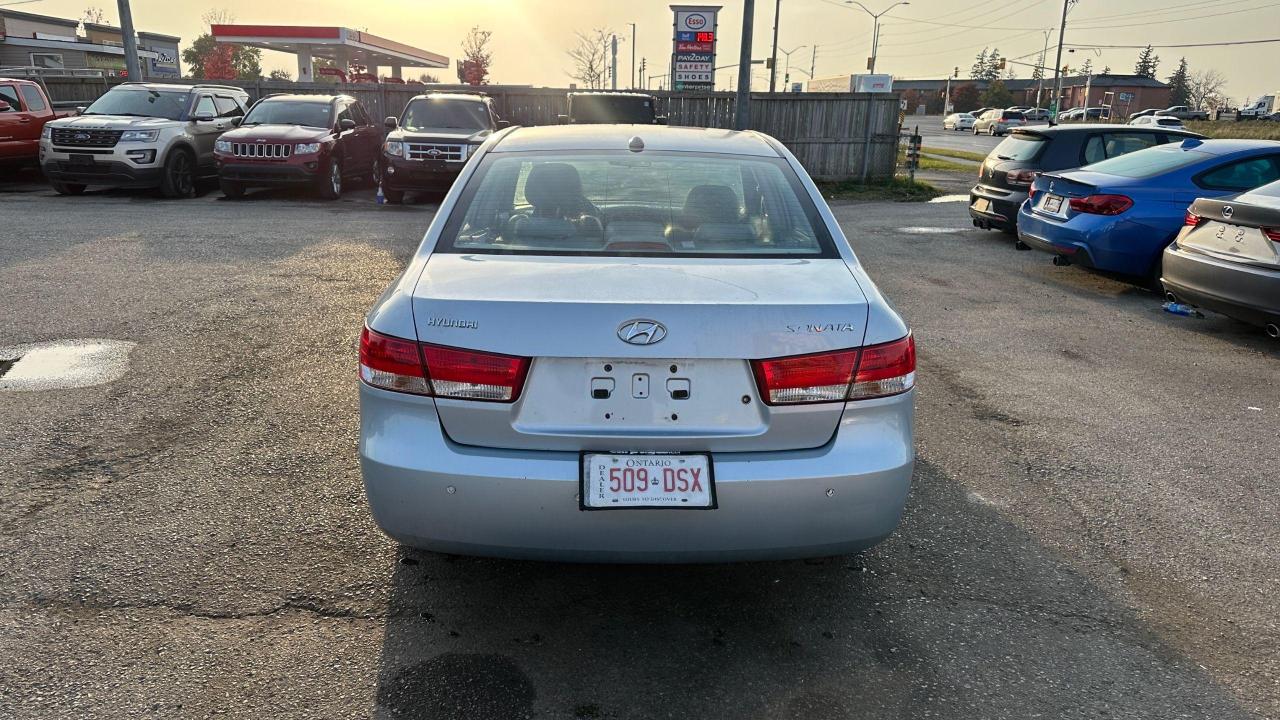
630	344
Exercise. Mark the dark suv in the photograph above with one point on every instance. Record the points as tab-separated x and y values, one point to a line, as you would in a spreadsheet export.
613	108
428	145
1007	173
315	140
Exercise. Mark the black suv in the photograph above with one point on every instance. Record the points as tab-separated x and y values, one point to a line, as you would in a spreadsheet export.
428	145
1007	173
612	108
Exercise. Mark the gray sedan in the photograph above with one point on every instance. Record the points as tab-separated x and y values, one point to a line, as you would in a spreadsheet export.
630	344
1227	258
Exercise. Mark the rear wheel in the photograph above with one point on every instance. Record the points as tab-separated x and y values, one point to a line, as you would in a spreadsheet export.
330	183
233	190
992	130
179	177
67	188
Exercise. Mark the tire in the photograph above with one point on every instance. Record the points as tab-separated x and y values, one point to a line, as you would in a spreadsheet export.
329	185
992	130
975	129
178	179
375	174
67	188
232	190
393	197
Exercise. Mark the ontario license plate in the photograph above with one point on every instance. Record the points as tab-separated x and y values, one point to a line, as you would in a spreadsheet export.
81	159
627	481
1053	204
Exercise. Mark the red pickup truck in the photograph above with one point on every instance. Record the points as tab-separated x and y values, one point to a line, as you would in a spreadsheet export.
24	109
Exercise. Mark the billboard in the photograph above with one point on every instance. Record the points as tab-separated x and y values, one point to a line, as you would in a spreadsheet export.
693	48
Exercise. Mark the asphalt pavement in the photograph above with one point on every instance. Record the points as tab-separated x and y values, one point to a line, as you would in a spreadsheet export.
1092	530
933	136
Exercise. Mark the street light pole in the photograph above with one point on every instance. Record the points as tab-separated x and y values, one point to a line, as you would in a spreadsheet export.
742	111
786	78
875	33
632	81
131	64
773	64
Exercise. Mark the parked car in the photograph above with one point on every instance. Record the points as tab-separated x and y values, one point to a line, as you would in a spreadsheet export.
429	144
24	111
143	135
982	111
1081	114
596	356
313	140
958	121
1070	114
998	122
1120	214
1227	257
1037	115
1146	112
1006	175
612	107
1164	121
1184	112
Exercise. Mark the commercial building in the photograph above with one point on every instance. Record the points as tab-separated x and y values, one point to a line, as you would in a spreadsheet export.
1125	93
343	47
53	43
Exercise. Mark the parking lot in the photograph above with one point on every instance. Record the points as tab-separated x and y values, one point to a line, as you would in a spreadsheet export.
1093	529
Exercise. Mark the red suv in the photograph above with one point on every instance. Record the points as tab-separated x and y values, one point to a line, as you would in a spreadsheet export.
316	140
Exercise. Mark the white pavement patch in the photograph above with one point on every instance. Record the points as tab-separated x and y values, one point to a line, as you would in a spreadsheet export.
927	230
950	198
65	364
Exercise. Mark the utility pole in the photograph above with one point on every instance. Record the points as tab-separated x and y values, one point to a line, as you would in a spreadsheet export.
1057	65
1043	53
640	83
613	70
742	113
131	64
875	33
632	81
813	62
773	64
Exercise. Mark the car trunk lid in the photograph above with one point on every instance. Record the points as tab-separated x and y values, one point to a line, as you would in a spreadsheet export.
590	389
1236	231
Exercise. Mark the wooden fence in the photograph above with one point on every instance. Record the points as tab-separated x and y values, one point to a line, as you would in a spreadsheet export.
830	133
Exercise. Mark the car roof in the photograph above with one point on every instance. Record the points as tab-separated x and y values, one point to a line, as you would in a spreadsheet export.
466	97
1051	130
18	81
302	97
617	137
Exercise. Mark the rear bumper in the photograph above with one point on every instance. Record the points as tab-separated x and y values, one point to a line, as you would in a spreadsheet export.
426	491
1002	213
1246	293
267	174
1116	244
112	173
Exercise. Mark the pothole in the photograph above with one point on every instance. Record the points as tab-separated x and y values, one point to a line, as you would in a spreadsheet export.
950	198
63	364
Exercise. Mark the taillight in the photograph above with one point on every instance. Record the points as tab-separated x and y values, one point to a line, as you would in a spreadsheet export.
393	363
1101	204
1191	220
856	374
470	375
1273	234
1021	177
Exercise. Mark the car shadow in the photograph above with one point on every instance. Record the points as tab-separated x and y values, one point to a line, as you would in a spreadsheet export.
961	614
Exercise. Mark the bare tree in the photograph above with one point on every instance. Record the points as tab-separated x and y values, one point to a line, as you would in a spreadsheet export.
1204	89
94	15
218	16
590	58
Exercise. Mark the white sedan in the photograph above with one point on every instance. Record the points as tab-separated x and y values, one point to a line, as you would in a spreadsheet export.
958	121
641	344
1164	121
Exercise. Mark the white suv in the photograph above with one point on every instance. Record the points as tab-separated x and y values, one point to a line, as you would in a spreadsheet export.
141	135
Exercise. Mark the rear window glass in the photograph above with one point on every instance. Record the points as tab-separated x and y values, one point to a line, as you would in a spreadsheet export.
1014	116
1019	147
1150	162
616	204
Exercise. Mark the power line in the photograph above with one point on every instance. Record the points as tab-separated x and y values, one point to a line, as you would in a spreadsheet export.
1184	45
1108	26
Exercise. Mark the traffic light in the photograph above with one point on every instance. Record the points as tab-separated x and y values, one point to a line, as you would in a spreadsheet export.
956	73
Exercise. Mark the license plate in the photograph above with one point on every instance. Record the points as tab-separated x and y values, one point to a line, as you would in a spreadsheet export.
81	159
1053	203
982	205
635	480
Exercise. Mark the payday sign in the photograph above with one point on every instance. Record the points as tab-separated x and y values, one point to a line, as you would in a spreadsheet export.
693	56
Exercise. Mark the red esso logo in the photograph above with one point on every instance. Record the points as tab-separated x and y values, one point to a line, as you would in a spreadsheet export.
695	22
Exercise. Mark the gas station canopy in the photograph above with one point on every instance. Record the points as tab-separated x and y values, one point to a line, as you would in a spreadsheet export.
344	46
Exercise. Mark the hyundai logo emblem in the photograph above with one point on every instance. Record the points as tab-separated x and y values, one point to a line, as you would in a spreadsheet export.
1228	211
642	332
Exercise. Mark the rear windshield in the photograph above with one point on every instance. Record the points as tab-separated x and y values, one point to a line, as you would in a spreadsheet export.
612	109
620	204
290	112
1023	148
1169	122
449	113
170	104
1014	116
1150	162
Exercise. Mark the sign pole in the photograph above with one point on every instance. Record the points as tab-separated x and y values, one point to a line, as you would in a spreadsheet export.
742	113
131	64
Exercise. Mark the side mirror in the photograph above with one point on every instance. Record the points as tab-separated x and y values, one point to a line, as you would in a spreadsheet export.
562	119
235	121
391	123
5	107
347	124
660	120
504	124
203	117
80	109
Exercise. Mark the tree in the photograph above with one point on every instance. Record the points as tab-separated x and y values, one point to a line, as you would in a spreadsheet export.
1180	85
997	95
428	78
978	71
589	57
94	15
994	69
965	98
1148	63
1204	89
280	75
476	57
245	62
1087	67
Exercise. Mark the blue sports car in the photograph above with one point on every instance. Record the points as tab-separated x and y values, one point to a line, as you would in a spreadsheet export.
1120	214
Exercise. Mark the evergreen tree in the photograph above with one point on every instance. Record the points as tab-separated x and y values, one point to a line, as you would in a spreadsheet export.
997	95
979	69
1148	63
1106	70
993	71
1180	85
1087	67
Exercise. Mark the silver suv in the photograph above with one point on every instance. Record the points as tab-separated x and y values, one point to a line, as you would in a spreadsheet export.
143	135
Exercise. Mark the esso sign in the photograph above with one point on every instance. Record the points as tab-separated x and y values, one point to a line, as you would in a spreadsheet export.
695	21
